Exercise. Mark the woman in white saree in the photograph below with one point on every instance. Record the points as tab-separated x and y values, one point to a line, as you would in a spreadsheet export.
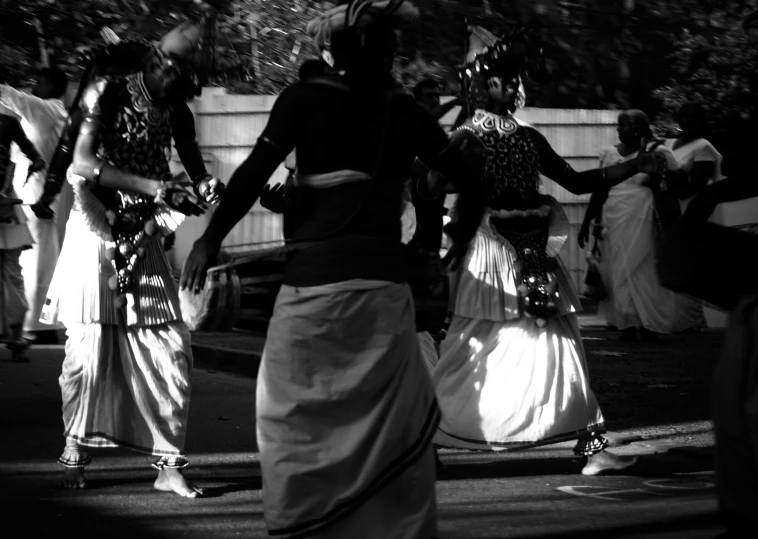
636	302
702	162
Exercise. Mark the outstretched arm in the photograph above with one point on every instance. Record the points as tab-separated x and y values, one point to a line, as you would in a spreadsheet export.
731	189
589	181
244	188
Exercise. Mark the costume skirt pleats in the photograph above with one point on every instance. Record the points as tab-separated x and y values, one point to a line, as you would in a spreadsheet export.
80	293
513	385
428	350
485	287
346	412
127	386
503	382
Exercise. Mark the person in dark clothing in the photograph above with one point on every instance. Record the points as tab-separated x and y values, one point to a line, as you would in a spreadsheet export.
429	211
342	354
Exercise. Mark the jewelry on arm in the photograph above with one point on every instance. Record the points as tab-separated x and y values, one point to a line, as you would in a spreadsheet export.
271	142
160	193
97	171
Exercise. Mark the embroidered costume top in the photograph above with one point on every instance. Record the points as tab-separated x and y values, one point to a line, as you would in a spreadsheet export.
533	225
516	156
114	248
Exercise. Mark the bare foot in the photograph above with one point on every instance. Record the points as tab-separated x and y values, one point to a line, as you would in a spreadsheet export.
604	463
73	478
172	480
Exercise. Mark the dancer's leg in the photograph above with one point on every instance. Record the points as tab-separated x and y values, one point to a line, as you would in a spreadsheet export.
74	460
599	460
170	478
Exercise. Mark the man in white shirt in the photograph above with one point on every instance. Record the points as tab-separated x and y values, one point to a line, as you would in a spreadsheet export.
43	116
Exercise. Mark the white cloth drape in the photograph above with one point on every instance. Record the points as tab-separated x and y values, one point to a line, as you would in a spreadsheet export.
43	121
637	299
127	386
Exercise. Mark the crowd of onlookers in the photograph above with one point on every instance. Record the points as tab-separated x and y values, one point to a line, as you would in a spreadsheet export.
627	227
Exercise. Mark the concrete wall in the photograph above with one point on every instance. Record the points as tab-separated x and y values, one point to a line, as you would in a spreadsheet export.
228	127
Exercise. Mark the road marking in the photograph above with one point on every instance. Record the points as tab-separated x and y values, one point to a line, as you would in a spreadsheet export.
604	495
657	483
652	487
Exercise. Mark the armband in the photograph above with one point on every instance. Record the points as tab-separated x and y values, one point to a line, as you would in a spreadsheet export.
160	193
271	142
97	170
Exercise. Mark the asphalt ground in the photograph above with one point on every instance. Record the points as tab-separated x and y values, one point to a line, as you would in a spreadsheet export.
655	398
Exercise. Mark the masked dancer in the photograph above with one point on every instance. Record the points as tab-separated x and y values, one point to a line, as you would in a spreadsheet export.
345	406
512	372
125	379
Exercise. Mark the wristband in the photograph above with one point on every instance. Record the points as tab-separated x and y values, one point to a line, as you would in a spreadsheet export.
160	193
202	177
97	171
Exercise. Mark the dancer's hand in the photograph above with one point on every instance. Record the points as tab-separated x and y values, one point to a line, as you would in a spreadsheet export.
202	257
210	190
42	208
6	206
35	166
179	198
649	161
274	199
584	235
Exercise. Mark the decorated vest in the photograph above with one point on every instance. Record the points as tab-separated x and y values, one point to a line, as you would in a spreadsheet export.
527	219
139	142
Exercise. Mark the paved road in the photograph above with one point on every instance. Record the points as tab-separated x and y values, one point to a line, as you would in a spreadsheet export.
538	493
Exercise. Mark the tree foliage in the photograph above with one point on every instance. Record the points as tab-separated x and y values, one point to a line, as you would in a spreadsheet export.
714	64
598	53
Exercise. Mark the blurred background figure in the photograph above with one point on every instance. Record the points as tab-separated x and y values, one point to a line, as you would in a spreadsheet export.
636	303
702	162
14	238
43	116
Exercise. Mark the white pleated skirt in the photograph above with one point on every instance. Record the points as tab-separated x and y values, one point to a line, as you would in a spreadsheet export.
127	386
502	382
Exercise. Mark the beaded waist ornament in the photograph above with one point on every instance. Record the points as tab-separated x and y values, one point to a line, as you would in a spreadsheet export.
130	222
528	232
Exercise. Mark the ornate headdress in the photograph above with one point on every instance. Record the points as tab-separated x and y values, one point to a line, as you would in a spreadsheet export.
358	15
516	54
178	51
